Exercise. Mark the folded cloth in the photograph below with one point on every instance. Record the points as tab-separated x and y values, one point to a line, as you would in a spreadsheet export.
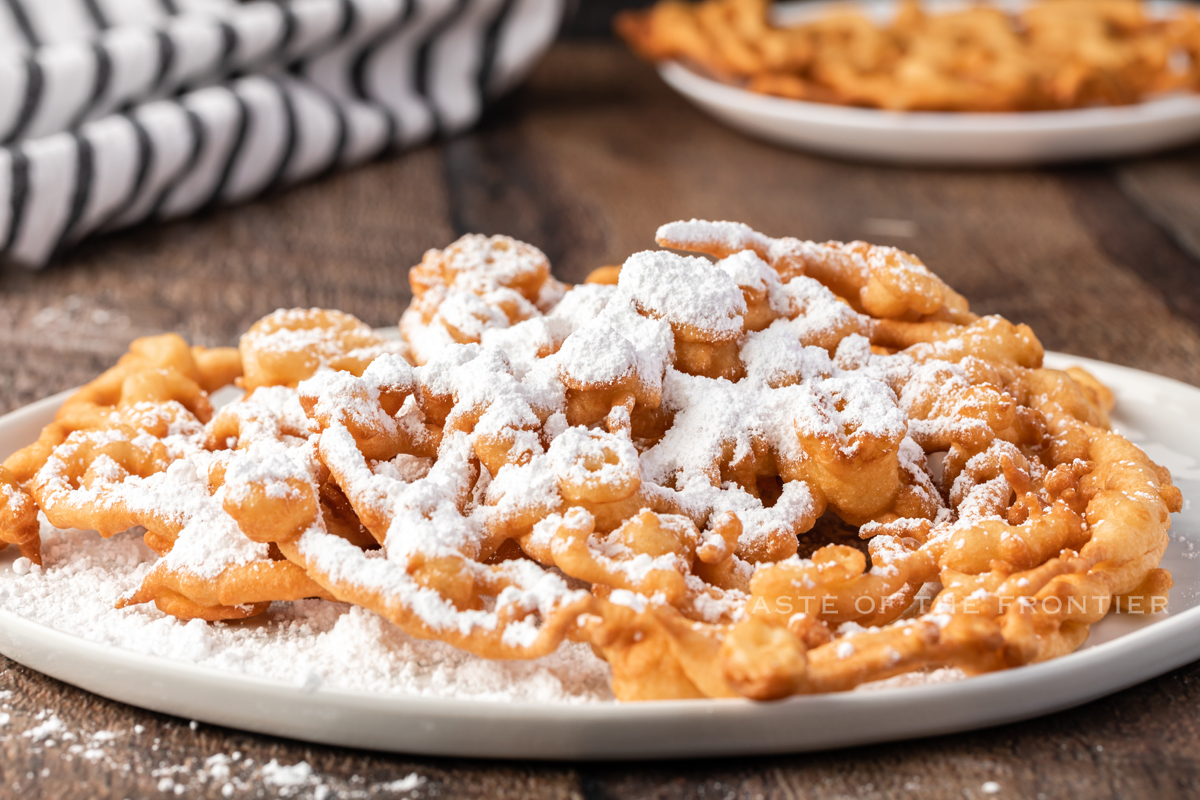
115	111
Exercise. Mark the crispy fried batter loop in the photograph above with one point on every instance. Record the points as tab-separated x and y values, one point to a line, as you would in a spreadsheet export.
772	468
1053	54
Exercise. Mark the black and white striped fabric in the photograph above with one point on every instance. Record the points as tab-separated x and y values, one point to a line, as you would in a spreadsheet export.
115	111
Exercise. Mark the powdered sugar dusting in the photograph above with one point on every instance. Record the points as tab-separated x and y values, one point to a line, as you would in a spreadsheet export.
737	235
330	646
684	290
922	678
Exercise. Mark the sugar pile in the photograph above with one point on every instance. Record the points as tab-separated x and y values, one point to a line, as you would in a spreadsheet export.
309	644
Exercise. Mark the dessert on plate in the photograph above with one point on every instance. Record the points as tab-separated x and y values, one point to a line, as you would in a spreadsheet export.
776	467
1052	54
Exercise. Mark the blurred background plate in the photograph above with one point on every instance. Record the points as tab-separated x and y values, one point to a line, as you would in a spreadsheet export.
941	138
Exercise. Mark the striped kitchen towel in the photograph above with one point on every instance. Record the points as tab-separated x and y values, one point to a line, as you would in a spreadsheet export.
116	111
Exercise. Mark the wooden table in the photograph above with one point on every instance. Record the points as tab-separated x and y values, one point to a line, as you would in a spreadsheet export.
1102	260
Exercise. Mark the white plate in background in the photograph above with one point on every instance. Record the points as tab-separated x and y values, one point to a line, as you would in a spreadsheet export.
941	138
1157	413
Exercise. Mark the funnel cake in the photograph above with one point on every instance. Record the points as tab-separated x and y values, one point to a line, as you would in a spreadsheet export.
768	468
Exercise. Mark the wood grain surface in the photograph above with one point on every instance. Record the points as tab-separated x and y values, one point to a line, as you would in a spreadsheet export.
585	161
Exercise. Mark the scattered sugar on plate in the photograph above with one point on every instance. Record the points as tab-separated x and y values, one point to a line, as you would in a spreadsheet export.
924	678
314	644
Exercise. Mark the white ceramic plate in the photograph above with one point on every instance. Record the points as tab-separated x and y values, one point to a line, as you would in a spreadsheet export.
1157	413
1008	139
